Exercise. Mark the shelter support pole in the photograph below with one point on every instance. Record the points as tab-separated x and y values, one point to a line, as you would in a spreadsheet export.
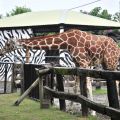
61	29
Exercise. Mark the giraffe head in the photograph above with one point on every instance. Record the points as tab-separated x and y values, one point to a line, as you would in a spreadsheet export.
9	46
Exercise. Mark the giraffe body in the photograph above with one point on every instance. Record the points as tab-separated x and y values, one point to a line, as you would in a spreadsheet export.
87	49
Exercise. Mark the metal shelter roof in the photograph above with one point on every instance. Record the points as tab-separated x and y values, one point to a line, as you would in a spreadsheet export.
56	17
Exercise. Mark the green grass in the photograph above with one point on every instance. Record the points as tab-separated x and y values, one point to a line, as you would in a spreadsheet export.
30	110
99	91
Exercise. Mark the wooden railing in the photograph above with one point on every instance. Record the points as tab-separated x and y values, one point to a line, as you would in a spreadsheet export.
47	93
109	76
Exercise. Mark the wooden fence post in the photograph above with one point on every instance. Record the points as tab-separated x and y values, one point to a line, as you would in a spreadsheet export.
60	87
41	91
112	95
83	90
44	102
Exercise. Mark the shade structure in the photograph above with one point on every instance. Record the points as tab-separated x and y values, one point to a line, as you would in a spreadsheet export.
56	17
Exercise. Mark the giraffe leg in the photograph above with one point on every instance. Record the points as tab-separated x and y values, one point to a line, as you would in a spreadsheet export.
85	63
89	91
112	64
117	85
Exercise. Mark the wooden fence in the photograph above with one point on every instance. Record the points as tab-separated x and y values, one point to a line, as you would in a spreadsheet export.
47	92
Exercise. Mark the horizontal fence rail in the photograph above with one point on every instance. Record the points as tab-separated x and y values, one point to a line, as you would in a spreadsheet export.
104	74
80	99
109	76
45	83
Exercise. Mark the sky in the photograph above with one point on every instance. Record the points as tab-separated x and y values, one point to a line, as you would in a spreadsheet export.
39	5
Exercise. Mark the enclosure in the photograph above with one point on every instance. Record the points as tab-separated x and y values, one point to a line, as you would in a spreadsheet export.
42	23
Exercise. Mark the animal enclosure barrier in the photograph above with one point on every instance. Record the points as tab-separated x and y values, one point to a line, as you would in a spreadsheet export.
29	77
110	76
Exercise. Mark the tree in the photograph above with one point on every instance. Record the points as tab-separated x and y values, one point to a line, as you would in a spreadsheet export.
85	12
105	14
116	17
97	11
18	10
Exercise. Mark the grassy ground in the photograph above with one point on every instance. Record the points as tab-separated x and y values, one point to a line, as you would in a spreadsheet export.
99	91
29	110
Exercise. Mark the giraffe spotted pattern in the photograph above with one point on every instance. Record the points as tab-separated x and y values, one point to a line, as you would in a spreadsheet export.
86	48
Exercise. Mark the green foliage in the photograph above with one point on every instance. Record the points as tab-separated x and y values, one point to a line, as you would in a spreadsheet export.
119	44
116	17
28	110
44	33
85	12
97	11
99	91
105	14
18	10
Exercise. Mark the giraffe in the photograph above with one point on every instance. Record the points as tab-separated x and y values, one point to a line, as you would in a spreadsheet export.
87	49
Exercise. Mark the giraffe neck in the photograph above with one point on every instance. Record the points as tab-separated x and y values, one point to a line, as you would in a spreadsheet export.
64	40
